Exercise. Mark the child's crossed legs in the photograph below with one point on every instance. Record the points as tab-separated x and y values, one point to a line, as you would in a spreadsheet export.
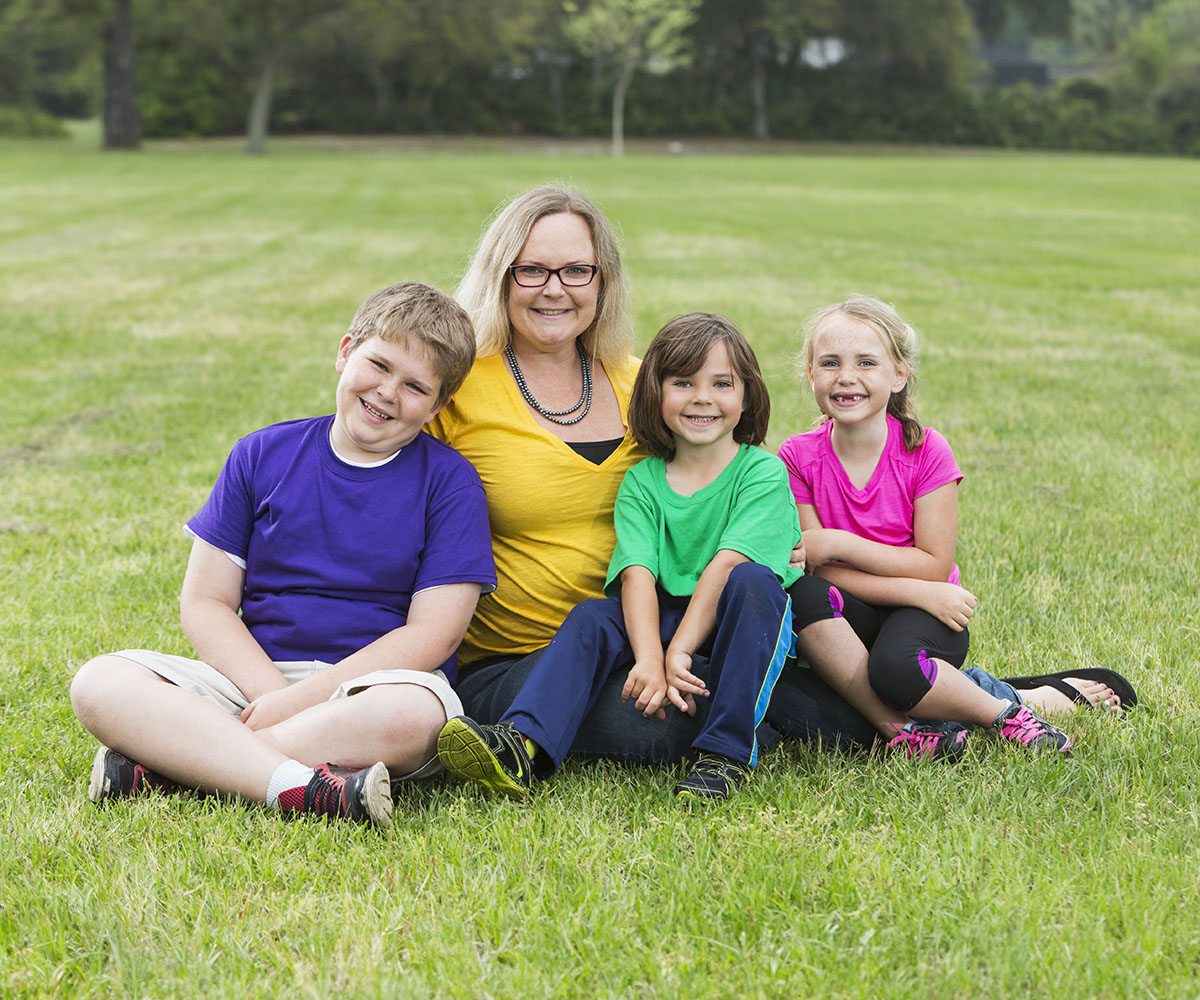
180	718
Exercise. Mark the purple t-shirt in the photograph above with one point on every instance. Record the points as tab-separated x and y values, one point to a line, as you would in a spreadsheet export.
883	510
334	552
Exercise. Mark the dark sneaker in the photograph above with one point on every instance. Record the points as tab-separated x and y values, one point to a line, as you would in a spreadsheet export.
492	756
712	777
930	743
363	796
115	776
1022	726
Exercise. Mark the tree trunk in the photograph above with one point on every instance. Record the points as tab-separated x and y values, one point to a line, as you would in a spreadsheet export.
260	107
758	85
618	105
122	121
384	92
557	105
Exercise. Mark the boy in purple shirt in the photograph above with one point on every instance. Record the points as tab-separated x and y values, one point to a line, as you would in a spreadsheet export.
334	569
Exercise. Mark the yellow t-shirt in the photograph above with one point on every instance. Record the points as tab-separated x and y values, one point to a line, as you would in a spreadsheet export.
550	509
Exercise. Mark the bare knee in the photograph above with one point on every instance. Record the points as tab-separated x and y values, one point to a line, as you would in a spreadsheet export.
404	721
406	714
101	681
89	685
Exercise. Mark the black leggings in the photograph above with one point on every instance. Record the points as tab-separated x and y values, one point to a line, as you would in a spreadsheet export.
903	643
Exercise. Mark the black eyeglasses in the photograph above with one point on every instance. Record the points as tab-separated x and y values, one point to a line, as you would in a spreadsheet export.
573	275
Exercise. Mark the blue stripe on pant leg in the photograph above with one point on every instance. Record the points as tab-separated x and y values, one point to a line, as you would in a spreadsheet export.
751	624
784	646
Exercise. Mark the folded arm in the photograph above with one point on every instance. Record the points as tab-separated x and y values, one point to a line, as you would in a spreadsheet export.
896	575
437	622
208	611
930	557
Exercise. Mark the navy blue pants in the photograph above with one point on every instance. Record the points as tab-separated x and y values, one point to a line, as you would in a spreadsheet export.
746	655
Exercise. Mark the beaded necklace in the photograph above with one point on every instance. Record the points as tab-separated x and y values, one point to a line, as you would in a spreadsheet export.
585	400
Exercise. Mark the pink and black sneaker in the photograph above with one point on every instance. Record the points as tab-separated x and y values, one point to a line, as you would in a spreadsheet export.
363	796
115	776
1024	727
930	743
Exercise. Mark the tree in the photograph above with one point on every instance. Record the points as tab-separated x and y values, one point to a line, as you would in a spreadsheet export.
62	34
628	33
1101	25
1161	61
19	26
122	120
425	41
273	25
931	41
247	41
530	34
772	25
1044	18
759	35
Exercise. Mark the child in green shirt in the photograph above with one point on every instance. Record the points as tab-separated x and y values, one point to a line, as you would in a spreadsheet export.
705	528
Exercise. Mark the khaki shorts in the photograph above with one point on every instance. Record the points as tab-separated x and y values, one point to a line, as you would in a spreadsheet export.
212	685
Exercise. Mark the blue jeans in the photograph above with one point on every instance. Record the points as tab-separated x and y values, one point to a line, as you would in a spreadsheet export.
994	686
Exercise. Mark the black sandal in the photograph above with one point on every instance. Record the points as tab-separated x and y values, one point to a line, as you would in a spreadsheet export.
1120	686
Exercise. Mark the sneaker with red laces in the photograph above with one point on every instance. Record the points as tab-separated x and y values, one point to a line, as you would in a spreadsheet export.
363	796
115	776
1024	727
929	743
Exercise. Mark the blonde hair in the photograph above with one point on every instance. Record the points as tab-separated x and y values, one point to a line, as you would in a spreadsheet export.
898	338
413	313
483	291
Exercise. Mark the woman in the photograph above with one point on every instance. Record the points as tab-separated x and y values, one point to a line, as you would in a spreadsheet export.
542	418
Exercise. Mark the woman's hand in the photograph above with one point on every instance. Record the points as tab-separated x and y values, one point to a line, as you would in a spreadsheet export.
648	684
947	602
798	557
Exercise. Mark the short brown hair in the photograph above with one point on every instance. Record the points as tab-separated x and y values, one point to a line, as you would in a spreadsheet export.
680	348
419	314
484	288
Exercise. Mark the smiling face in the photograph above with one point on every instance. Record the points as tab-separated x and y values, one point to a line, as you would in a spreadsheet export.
388	391
703	409
852	374
551	317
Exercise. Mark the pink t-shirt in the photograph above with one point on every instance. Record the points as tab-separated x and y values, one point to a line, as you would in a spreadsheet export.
883	511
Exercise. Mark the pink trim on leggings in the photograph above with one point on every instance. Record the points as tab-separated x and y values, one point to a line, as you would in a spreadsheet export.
836	602
928	666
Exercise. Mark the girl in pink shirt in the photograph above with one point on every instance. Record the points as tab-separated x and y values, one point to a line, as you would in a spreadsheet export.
881	616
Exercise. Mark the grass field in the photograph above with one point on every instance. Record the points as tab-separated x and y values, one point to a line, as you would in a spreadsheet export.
155	306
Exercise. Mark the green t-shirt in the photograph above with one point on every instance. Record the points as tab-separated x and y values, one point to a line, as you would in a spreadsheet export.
748	508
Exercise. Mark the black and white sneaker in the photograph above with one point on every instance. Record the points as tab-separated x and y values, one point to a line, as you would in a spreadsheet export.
712	777
115	776
363	796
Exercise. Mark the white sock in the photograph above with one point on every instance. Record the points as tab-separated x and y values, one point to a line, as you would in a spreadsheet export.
289	774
